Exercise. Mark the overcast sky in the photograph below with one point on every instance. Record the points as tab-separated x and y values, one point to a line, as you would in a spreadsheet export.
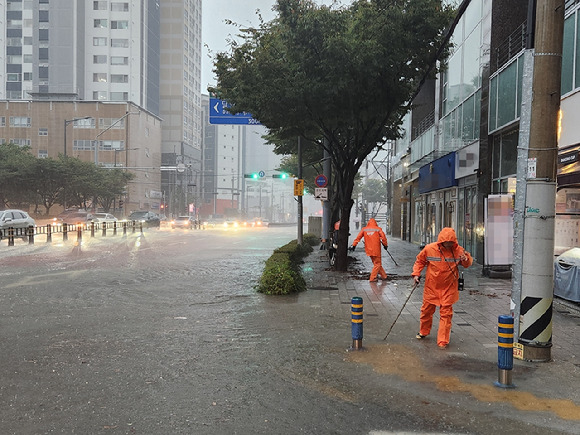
215	31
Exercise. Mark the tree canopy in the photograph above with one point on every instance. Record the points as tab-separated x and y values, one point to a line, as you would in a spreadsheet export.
26	180
339	77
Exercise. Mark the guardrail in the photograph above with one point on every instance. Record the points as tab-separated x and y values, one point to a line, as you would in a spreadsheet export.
65	229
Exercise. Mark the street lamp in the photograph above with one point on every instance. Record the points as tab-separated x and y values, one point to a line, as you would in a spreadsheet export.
69	121
96	141
118	151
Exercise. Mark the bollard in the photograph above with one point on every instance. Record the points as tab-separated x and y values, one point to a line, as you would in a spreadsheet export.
79	233
505	351
114	228
92	229
10	236
357	322
124	227
141	227
64	231
48	233
104	224
133	226
31	235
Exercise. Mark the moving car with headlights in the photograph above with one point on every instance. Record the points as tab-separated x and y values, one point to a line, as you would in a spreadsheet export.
17	219
183	222
104	217
147	218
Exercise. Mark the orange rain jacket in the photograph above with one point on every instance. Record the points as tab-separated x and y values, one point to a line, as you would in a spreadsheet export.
374	237
442	269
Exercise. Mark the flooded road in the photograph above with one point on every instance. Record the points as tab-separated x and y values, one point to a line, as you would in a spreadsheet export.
163	333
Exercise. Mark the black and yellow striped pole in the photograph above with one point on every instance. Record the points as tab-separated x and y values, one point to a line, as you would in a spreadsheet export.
357	322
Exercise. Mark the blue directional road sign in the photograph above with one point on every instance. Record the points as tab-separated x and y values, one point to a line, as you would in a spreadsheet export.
219	115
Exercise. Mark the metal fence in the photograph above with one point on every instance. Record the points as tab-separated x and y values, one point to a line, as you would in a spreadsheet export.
66	230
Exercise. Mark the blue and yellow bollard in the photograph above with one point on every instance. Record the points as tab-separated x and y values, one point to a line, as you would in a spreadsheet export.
505	351
357	322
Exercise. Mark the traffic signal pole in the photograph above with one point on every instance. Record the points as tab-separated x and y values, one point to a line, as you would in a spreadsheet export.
536	196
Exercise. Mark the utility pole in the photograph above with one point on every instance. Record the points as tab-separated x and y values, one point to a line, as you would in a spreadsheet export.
536	187
300	208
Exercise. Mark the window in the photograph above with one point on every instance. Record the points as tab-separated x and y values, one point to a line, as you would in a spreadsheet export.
119	78
111	123
123	43
100	23
43	16
119	7
119	60
2	121
43	34
99	5
84	123
13	77
124	24
99	95
99	42
100	77
42	54
100	58
27	76
119	96
42	154
83	145
27	58
43	131
19	121
20	142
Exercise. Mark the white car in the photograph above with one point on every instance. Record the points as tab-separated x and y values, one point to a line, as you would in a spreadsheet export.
104	217
17	219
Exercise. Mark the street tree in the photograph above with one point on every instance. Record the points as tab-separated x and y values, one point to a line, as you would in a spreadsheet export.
112	183
339	77
374	192
16	175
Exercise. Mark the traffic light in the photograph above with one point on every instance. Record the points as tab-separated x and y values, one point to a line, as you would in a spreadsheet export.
254	175
283	176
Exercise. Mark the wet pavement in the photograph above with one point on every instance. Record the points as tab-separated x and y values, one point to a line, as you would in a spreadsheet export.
545	393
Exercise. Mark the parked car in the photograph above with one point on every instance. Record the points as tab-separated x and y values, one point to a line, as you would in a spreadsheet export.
147	218
15	219
183	222
104	217
73	216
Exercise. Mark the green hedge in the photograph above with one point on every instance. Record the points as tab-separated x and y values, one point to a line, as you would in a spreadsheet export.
282	274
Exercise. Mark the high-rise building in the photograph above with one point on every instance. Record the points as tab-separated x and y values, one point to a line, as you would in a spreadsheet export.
180	102
78	50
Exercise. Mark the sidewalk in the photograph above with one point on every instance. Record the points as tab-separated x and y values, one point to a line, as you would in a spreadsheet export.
472	352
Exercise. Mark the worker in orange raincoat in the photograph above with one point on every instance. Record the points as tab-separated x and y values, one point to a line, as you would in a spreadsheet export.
374	237
442	259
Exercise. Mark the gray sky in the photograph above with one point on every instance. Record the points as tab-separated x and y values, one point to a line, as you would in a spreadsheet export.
215	31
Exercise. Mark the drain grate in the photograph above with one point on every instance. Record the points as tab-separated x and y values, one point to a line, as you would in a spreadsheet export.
463	324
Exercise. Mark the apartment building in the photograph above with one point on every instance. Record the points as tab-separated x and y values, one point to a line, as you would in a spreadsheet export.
180	103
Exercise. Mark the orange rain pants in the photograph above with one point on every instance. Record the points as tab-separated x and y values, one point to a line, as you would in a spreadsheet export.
426	321
377	268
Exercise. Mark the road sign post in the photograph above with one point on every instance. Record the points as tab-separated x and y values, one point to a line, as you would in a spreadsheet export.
218	114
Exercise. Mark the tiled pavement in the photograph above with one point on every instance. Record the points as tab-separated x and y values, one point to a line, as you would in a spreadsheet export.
474	330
